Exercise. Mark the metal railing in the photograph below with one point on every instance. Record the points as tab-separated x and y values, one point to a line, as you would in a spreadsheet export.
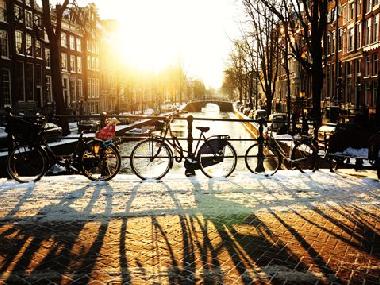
190	124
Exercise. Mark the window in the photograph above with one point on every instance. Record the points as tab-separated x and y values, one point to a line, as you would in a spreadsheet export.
367	65
89	45
72	42
94	67
49	91
351	10
6	87
29	19
19	38
63	40
79	64
368	6
367	32
351	39
19	14
375	29
358	71
358	7
89	62
73	63
64	61
358	35
79	89
78	42
37	21
4	52
375	62
340	40
348	67
29	46
3	11
47	58
38	49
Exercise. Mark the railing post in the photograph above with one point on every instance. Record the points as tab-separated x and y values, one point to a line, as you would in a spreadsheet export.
190	136
103	117
260	154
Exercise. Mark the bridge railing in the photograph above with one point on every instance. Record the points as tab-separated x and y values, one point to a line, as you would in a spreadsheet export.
139	120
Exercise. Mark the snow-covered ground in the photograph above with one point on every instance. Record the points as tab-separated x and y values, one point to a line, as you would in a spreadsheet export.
76	198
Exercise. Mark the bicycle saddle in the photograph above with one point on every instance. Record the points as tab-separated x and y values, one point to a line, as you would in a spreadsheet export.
203	129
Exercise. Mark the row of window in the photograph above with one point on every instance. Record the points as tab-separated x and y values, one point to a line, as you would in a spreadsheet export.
93	88
75	63
70	41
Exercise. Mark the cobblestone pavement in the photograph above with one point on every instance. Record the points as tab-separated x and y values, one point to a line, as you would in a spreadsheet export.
292	228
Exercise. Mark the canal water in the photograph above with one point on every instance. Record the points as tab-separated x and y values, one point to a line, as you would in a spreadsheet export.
236	130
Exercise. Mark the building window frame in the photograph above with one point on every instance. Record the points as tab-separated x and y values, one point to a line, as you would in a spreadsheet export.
4	44
3	12
64	61
28	19
375	64
6	87
19	42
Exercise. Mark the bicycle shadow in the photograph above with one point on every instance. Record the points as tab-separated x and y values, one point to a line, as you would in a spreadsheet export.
45	246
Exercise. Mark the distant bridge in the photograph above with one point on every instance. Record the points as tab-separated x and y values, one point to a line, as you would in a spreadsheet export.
196	106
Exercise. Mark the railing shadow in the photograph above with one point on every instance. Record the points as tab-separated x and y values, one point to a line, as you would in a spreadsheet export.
196	230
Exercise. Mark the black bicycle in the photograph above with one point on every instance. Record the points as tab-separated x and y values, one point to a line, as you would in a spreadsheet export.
152	158
300	154
30	156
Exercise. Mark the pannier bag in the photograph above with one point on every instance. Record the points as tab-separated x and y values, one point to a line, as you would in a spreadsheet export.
214	149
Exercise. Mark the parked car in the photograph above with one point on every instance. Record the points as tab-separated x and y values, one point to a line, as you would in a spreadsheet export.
3	138
259	114
52	132
88	126
278	122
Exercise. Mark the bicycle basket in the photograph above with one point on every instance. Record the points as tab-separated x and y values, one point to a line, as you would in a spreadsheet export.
212	151
23	130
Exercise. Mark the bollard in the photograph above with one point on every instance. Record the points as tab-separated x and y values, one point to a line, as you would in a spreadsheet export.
190	136
260	154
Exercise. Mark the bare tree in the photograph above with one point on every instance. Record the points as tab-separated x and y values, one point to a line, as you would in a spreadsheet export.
306	21
53	23
264	32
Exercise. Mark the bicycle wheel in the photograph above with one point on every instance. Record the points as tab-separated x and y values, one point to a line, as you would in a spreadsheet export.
151	159
271	162
26	164
217	161
100	163
304	156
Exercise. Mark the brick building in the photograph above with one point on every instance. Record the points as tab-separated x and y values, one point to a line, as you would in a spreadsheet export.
352	55
25	78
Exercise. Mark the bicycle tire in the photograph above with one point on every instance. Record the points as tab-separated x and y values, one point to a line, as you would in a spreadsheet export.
151	159
26	164
217	165
100	166
271	163
304	156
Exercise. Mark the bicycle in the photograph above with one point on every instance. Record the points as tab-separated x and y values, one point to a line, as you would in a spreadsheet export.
153	157
303	154
30	156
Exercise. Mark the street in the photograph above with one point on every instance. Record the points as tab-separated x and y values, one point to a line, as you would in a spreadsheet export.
292	228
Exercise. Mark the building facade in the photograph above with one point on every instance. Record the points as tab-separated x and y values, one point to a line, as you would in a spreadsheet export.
25	77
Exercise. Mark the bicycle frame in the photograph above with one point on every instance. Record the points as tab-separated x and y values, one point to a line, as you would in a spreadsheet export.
175	144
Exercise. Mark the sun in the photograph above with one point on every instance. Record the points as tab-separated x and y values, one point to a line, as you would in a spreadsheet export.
148	41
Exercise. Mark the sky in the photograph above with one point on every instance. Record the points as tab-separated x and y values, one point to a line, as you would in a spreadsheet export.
197	34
